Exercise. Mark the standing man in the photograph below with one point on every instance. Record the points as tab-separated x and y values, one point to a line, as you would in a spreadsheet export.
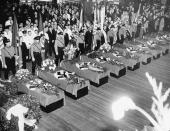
24	41
88	40
51	41
122	34
36	54
46	36
97	39
59	48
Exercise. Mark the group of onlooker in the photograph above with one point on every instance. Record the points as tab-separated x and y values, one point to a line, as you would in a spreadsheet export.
46	31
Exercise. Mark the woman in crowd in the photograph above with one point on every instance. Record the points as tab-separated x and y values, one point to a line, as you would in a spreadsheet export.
36	54
8	57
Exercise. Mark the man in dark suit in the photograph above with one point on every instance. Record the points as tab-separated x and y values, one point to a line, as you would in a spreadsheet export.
88	40
51	41
54	34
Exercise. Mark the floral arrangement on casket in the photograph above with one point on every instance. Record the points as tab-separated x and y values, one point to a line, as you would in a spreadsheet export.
94	54
90	66
163	37
11	112
48	65
130	55
127	55
151	43
70	77
142	46
114	62
132	49
9	87
23	74
105	47
44	86
116	53
70	52
98	57
101	59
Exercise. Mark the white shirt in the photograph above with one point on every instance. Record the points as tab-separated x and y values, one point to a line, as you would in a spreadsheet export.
20	33
27	41
9	22
31	38
35	28
59	29
66	16
46	35
8	35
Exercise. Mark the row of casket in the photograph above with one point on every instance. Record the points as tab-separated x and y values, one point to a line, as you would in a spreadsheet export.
74	77
48	88
96	67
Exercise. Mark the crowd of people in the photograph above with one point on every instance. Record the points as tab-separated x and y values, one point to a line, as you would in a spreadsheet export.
61	28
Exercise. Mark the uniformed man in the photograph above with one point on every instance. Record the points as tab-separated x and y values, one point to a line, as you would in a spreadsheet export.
122	34
112	35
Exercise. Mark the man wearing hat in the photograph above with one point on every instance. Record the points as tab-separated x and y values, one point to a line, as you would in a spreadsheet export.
36	54
8	57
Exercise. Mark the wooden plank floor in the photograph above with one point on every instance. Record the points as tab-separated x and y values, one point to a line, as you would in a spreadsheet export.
93	112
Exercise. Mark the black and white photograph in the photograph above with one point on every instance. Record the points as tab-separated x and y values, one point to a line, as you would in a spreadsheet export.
84	65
